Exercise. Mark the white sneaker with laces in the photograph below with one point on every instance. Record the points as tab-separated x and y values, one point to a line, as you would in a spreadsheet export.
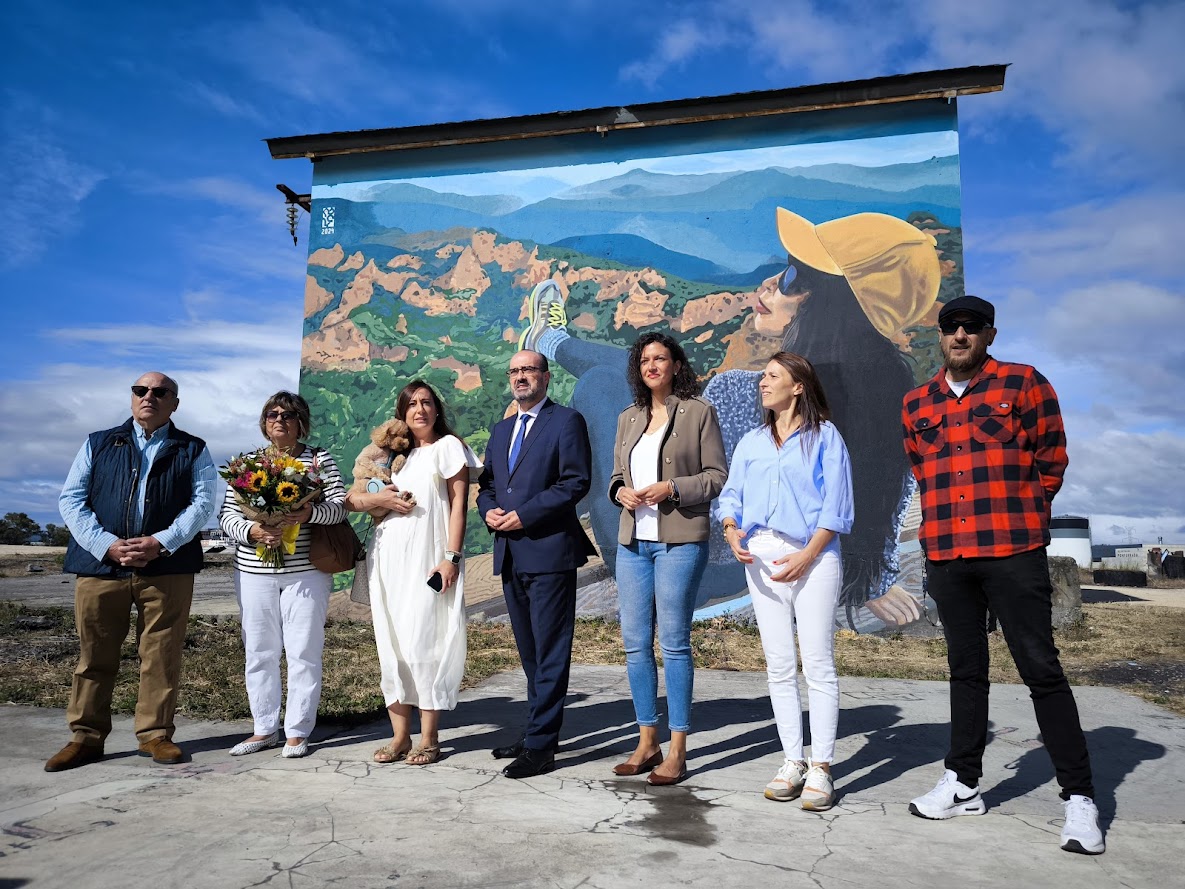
788	782
948	799
818	795
1081	832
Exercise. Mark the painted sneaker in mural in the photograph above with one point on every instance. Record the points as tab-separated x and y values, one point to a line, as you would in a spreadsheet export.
545	309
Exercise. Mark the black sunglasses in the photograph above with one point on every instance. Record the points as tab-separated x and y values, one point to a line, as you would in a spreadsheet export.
281	415
157	391
950	327
787	277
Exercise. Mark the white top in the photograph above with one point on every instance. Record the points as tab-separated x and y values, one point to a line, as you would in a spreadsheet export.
957	386
644	472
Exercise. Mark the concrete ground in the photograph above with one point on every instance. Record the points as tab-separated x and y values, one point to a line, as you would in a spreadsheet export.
335	817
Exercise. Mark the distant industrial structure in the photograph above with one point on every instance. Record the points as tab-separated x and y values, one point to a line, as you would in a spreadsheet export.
1069	535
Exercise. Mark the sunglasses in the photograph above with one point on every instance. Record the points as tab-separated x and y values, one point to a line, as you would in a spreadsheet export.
281	415
950	327
157	391
787	278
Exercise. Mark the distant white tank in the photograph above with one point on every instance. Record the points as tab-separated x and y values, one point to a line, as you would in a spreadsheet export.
1069	535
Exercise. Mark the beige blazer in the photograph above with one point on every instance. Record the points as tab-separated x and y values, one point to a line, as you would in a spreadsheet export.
691	455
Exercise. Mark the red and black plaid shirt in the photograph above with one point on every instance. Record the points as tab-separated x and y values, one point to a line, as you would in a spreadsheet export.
987	463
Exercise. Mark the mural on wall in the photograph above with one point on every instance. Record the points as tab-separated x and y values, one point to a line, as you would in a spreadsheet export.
836	242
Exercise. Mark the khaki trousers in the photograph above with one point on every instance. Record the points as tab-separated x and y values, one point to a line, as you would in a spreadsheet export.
102	611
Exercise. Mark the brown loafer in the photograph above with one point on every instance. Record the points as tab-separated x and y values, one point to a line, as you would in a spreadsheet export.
161	750
74	755
654	779
628	770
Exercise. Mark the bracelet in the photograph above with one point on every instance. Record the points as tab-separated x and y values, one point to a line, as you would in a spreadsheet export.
728	523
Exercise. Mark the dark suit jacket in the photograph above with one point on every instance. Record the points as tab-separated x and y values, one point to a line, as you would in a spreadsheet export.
552	475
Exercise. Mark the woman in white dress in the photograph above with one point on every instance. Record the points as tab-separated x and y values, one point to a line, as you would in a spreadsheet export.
416	576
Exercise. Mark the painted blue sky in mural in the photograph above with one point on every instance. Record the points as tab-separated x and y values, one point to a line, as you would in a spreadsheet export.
143	228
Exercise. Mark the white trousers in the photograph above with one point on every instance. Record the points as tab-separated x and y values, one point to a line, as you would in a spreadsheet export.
808	605
284	613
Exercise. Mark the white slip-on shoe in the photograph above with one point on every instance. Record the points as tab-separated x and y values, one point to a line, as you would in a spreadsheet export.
787	783
1081	832
948	799
245	747
296	751
818	794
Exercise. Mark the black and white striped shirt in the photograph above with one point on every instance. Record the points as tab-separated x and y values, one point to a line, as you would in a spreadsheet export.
332	510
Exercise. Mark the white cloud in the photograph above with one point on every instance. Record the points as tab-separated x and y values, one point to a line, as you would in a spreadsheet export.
200	93
44	185
224	370
1133	234
677	42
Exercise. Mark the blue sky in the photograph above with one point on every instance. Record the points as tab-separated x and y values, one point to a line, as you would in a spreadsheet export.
143	230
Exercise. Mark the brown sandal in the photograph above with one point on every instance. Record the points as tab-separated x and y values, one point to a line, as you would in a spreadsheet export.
425	754
388	754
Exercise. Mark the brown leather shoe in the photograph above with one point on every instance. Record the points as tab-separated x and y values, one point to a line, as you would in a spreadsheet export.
627	769
161	750
654	779
74	755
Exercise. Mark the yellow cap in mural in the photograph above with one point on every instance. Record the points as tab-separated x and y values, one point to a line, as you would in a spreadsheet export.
891	266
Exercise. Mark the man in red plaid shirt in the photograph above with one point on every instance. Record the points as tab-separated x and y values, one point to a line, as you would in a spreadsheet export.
988	450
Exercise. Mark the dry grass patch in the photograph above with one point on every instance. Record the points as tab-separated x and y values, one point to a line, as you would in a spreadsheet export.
1137	648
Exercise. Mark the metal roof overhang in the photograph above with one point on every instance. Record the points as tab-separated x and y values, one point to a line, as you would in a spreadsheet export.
947	84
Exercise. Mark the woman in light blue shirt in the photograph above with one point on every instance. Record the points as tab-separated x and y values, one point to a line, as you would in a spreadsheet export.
787	498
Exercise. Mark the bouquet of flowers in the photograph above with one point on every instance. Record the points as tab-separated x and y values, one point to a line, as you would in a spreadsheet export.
268	485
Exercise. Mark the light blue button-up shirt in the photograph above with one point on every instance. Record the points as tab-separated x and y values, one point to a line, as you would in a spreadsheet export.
794	489
85	527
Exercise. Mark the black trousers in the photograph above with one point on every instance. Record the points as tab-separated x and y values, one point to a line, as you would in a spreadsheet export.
542	611
1018	591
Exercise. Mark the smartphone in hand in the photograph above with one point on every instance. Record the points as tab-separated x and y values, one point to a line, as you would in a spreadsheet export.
436	581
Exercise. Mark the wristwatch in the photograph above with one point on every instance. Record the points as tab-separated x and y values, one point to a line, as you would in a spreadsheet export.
453	557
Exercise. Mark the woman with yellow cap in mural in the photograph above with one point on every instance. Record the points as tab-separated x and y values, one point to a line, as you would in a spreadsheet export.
850	287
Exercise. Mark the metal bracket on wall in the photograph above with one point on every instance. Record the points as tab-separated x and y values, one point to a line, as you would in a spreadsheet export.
294	200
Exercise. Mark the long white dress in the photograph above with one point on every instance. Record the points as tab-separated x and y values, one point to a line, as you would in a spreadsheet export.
420	633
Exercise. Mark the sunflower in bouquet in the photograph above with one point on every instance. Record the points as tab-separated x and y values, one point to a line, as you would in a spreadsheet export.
268	485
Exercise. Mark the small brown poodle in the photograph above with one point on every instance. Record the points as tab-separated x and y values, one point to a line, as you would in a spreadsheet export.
381	459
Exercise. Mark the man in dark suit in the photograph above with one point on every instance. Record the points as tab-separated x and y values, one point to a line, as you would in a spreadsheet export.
537	468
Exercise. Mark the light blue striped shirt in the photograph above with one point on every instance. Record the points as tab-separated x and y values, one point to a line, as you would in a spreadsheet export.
84	525
794	490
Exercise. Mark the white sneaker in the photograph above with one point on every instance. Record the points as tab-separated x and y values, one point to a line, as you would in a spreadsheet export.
818	795
788	782
948	799
243	748
1081	832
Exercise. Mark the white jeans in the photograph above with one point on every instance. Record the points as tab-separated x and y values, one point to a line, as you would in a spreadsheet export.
284	612
808	605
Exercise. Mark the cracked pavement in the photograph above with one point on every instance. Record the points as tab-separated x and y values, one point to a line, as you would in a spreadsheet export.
337	818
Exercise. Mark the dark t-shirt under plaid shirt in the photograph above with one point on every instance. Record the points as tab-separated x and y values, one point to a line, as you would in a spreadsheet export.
987	463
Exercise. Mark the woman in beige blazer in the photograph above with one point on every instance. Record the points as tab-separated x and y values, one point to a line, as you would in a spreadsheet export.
668	465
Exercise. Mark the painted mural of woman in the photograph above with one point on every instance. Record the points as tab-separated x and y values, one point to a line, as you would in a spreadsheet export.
849	286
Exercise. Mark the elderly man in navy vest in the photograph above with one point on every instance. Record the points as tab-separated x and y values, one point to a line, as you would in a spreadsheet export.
135	501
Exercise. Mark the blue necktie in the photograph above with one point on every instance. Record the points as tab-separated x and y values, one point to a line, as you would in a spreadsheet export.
517	446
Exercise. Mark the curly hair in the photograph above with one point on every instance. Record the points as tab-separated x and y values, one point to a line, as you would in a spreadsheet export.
686	385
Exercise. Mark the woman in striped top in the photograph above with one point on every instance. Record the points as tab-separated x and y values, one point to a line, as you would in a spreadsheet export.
284	608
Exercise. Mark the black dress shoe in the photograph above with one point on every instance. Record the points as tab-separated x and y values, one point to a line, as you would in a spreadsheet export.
510	751
530	763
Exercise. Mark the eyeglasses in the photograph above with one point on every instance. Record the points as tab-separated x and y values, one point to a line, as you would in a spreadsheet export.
523	371
281	415
787	277
157	391
950	326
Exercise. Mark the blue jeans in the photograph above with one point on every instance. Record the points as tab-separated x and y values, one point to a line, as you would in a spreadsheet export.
659	579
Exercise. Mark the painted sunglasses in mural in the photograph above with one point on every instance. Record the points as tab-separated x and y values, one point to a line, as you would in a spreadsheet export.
786	279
